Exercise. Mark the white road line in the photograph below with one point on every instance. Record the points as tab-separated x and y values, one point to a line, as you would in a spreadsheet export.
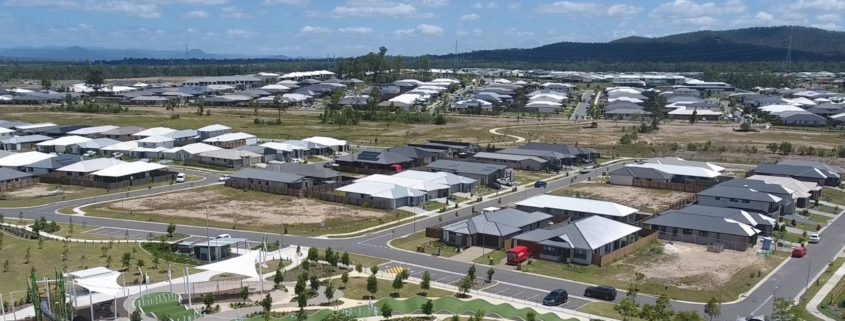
761	305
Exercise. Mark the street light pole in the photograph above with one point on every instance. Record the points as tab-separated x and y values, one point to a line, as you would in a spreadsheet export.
807	287
774	297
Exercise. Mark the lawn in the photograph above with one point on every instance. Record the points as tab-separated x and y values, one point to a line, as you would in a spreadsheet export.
814	289
232	208
48	259
161	304
39	194
497	255
79	231
603	309
820	218
617	275
833	196
828	209
525	177
433	205
429	244
357	289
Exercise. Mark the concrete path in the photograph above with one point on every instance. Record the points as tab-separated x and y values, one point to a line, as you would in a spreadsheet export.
813	305
821	213
797	218
470	254
495	131
791	229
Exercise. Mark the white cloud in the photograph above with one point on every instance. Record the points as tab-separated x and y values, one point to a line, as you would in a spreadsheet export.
434	3
56	4
514	5
828	26
489	5
289	2
829	17
492	5
819	5
148	11
430	30
198	14
314	30
404	32
572	8
373	8
691	9
623	10
234	13
359	30
191	2
470	16
239	33
701	22
477	32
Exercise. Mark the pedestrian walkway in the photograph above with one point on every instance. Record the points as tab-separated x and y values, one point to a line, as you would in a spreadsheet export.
799	218
72	240
811	211
791	229
813	305
470	254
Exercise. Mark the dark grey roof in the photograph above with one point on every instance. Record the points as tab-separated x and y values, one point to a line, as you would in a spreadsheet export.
56	162
802	116
680	98
560	148
254	93
641	172
757	185
465	167
691	221
731	213
414	152
626	111
622	105
790	170
537	153
127	130
267	175
767	99
260	150
375	156
63	130
307	170
815	164
10	174
825	111
499	223
743	193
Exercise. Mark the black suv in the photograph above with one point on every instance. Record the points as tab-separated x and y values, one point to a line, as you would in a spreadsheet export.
556	297
601	292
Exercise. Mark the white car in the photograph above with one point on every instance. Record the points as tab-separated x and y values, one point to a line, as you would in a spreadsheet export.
223	236
89	153
223	178
180	178
815	238
296	160
117	155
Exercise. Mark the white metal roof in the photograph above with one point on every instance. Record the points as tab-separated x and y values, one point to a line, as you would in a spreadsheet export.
155	139
91	165
419	184
23	159
35	126
326	141
6	130
128	169
578	205
130	145
215	127
155	131
64	141
694	171
699	112
193	149
801	189
229	137
598	231
381	190
512	157
92	130
780	108
282	146
437	177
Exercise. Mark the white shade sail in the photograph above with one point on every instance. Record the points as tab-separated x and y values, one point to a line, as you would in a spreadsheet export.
105	284
241	265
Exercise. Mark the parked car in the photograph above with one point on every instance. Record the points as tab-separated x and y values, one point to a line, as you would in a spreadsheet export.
799	252
586	170
89	153
296	160
540	184
815	238
223	178
223	236
556	297
518	254
494	185
603	292
180	178
504	182
117	155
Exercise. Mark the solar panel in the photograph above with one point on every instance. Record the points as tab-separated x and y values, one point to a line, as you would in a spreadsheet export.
369	156
488	168
67	160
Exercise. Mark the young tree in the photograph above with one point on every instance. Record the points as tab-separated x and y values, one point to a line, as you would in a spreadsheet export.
40	243
26	256
140	263
359	268
278	278
266	304
374	269
126	259
386	311
628	308
156	261
135	315
244	294
313	255
332	260
315	283
427	308
530	316
784	310
398	284
425	284
329	254
344	259
694	117
6	266
372	285
713	309
208	300
344	278
471	273
464	285
490	273
688	316
171	228
660	311
329	292
478	315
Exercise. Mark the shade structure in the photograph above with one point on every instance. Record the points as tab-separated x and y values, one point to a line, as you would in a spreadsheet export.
105	284
241	265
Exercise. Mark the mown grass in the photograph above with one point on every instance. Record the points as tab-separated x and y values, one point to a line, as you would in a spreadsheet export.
429	244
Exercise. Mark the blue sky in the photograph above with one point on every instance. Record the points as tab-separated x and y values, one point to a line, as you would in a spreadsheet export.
315	28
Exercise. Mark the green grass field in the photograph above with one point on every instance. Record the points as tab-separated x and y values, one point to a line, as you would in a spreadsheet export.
814	289
357	289
430	245
165	304
833	196
603	309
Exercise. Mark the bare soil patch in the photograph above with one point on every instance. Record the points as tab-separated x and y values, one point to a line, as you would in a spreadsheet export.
648	200
38	190
224	207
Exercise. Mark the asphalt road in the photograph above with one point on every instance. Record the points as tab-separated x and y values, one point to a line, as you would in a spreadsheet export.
787	282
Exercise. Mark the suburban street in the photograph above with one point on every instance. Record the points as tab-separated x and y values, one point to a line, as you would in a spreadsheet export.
787	282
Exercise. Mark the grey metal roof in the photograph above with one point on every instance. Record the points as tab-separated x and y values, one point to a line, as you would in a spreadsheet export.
307	170
560	148
25	139
267	175
790	170
499	223
13	124
10	174
413	152
127	130
706	223
56	162
802	116
625	111
814	164
537	153
466	167
739	215
743	193
641	172
260	150
185	133
375	156
757	185
589	233
98	143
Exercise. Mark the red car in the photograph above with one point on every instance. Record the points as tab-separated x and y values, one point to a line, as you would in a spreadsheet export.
799	252
518	254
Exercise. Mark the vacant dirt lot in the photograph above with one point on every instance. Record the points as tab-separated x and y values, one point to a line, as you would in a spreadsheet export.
691	266
229	206
645	199
37	190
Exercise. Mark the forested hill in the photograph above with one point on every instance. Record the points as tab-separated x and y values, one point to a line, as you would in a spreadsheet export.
740	45
803	38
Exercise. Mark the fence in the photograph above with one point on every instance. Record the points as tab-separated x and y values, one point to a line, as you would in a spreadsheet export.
646	236
24	182
364	171
681	187
704	240
106	185
374	203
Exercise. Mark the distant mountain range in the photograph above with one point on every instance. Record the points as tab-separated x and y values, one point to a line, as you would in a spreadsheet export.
77	53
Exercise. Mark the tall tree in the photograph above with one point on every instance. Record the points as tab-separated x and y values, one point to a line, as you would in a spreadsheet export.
687	316
425	284
424	63
784	310
94	79
661	310
46	82
372	285
713	309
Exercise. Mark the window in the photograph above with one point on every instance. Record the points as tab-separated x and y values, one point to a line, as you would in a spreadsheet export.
718	198
702	233
734	200
580	254
746	201
607	247
687	231
552	251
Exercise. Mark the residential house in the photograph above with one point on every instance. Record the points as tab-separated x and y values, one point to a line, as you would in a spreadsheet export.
11	179
803	192
213	131
229	158
183	137
421	156
155	131
51	164
384	195
483	173
130	171
316	173
741	197
21	161
232	140
800	172
267	180
432	189
801	118
788	203
492	229
84	169
34	129
338	145
92	132
375	159
456	183
92	145
734	229
60	145
123	134
565	208
450	148
187	152
62	130
643	174
522	162
583	241
6	133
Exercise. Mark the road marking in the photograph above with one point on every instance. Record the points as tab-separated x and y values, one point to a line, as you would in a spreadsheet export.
761	305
